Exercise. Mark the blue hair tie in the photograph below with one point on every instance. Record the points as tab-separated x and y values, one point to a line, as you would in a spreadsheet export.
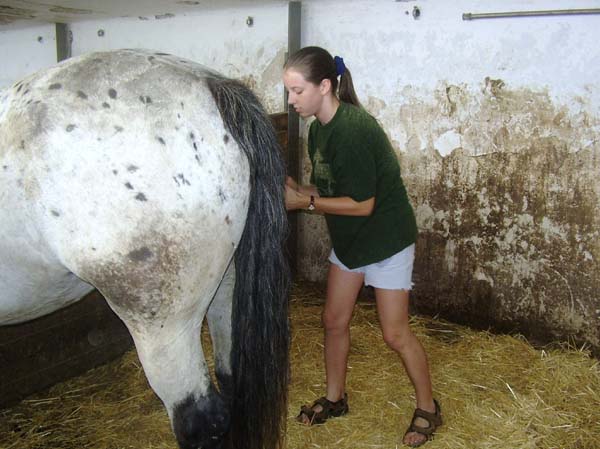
340	67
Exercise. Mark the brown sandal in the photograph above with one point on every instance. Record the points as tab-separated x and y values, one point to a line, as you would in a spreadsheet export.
328	410
434	420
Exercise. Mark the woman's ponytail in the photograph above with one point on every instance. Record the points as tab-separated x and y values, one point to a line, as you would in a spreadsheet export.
346	91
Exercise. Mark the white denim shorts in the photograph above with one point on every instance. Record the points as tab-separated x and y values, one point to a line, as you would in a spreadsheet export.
393	273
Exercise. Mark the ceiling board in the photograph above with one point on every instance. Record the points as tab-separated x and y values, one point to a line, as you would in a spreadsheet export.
25	12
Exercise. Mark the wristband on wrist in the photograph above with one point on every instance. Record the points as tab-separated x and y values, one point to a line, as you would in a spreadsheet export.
311	205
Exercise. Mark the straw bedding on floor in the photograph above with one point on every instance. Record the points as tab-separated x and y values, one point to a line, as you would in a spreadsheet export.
496	391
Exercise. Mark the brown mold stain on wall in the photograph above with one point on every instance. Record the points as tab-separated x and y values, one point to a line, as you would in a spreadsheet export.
509	218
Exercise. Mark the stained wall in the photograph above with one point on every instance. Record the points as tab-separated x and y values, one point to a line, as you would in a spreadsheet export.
496	124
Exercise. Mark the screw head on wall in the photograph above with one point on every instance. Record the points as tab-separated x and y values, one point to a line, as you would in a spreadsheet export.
416	12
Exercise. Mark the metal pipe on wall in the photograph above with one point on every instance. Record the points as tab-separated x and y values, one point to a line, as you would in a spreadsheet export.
551	12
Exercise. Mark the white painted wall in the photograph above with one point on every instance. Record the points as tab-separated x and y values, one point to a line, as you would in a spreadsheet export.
425	81
389	52
496	124
25	50
218	38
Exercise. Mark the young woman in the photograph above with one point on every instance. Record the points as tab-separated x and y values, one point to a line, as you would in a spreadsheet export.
356	184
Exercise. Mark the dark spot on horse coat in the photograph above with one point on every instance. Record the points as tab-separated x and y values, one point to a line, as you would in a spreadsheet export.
82	95
128	185
132	168
141	254
227	219
55	86
151	58
19	88
112	93
162	54
145	100
5	167
115	172
222	195
141	197
198	159
118	128
105	105
55	213
70	127
161	140
182	178
26	92
225	138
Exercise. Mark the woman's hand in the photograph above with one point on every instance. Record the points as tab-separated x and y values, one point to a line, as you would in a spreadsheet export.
290	182
294	199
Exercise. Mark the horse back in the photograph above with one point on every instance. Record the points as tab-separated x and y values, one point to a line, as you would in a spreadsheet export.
117	173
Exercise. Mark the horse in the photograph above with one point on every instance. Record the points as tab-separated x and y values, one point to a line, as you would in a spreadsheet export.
160	183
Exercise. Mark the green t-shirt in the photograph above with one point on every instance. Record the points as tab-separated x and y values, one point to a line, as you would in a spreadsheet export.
352	156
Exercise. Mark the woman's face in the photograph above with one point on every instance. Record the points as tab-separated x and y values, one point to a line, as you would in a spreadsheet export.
304	96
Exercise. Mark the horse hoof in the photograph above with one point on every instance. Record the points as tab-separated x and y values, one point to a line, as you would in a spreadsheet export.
201	422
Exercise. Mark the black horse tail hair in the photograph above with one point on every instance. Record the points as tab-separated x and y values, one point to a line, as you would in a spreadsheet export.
260	334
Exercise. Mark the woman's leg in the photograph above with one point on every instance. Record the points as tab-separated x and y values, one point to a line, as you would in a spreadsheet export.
392	308
342	290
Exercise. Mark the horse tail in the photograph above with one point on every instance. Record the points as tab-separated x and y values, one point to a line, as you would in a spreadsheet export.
260	327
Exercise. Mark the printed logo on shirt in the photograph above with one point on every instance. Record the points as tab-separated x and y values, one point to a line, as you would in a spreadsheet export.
322	174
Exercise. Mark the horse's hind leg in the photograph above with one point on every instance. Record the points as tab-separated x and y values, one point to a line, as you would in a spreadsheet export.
164	311
174	364
219	323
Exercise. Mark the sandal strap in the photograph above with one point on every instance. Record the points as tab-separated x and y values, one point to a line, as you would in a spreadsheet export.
309	410
328	408
434	420
323	402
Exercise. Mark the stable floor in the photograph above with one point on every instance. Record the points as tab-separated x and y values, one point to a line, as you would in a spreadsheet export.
496	391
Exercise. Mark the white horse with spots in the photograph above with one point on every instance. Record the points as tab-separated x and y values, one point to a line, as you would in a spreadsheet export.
160	183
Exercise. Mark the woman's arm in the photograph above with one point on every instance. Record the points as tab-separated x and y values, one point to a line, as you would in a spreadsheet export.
304	190
297	199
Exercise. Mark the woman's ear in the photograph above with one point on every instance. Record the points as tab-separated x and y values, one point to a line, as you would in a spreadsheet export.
325	86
